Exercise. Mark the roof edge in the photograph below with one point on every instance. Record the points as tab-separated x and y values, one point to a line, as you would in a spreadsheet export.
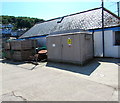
82	12
105	27
111	13
72	14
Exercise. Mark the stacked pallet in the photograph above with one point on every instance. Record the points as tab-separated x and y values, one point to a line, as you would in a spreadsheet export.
7	50
22	49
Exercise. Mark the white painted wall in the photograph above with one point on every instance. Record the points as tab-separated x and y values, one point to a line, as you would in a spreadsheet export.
110	49
98	47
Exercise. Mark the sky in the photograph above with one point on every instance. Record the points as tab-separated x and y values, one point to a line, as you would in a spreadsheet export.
51	9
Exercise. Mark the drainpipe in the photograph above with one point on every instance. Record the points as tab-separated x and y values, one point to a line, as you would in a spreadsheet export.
103	28
93	41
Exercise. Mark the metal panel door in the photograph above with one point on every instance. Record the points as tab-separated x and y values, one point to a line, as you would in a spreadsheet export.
54	47
67	47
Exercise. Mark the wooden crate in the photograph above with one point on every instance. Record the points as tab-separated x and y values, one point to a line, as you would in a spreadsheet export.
34	43
23	44
6	45
8	54
22	55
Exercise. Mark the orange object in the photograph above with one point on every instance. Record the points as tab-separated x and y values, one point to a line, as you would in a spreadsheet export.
42	51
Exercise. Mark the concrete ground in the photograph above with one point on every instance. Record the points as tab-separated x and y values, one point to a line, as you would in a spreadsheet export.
96	81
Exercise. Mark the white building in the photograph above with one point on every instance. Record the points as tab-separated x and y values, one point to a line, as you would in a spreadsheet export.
111	43
90	21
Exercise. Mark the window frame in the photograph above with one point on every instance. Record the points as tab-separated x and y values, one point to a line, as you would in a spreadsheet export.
114	37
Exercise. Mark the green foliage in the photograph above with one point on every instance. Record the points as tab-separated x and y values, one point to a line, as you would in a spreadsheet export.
19	22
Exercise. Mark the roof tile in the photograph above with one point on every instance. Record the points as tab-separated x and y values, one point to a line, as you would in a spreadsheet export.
85	21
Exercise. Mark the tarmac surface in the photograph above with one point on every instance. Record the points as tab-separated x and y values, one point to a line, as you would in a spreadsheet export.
96	81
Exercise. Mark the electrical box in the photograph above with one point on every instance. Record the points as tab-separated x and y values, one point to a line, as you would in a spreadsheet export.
74	48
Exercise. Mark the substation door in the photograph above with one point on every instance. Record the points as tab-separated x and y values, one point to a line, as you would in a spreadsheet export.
54	45
67	47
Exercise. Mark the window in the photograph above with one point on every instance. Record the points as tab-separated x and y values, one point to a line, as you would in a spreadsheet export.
117	37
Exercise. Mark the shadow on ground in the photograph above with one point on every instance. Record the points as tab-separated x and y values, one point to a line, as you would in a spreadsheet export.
21	64
11	62
86	69
109	60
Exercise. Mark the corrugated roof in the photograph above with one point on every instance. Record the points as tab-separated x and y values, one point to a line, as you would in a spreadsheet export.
91	19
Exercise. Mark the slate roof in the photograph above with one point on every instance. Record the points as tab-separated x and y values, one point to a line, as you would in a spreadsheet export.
91	19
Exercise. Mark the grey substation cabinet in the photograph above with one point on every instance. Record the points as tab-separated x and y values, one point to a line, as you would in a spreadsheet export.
74	48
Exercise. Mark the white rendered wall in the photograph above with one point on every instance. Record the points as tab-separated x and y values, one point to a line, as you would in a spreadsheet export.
110	49
98	46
